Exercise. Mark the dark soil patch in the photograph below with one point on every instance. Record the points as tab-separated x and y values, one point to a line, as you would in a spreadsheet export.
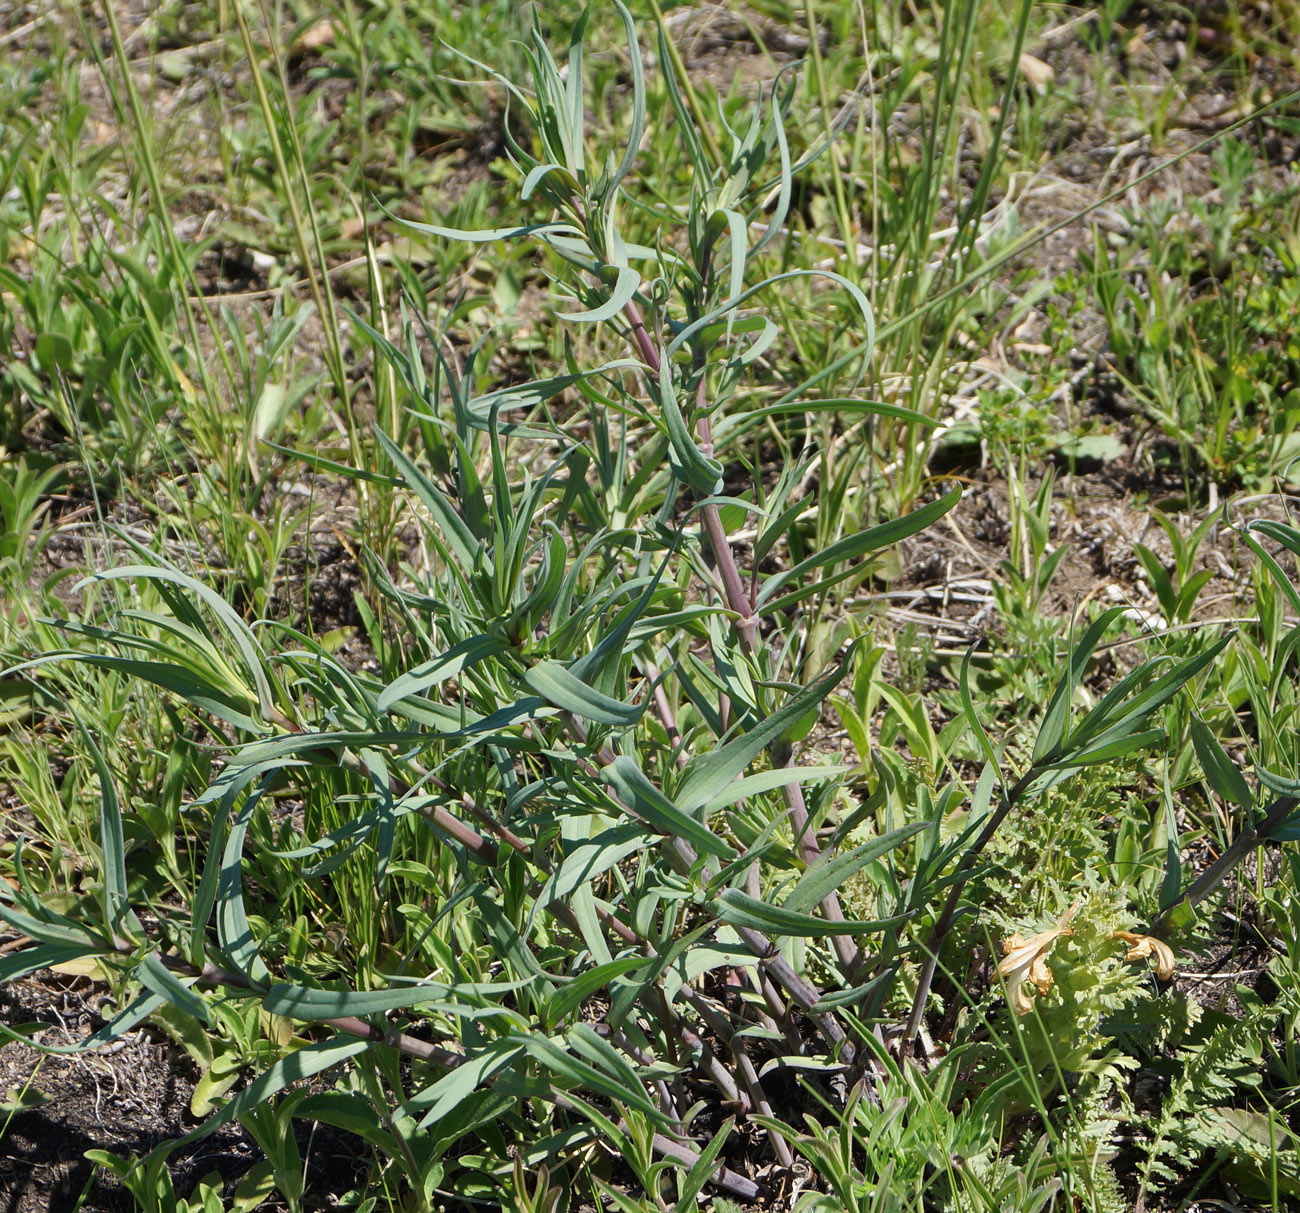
127	1099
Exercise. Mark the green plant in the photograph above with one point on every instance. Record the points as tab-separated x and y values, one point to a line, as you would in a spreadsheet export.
557	868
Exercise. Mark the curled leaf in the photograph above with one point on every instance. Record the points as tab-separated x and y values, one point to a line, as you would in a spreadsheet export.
1026	961
1140	947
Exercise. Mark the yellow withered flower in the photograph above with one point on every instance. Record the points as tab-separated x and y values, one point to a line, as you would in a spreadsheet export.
1026	962
1142	946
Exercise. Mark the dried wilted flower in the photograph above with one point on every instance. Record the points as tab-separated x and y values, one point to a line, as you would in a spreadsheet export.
1142	946
1026	961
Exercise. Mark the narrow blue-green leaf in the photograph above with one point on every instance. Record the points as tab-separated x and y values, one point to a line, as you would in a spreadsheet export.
595	1049
646	800
573	117
527	396
581	1074
637	129
1288	831
297	744
620	295
972	716
14	965
130	1017
451	526
1271	563
1109	721
1108	748
686	131
199	693
1224	775
707	777
117	906
736	232
62	931
352	1112
839	405
559	686
306	1003
850	548
785	177
1279	784
1279	532
568	999
699	472
334	467
536	175
981	800
487	235
225	789
826	877
765	781
156	976
460	656
443	1097
687	333
594	857
692	1183
235	626
1052	731
233	928
600	667
741	910
1172	881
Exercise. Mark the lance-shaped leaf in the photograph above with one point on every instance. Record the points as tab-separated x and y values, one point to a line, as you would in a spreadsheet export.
196	689
637	129
852	547
708	777
620	296
460	656
44	956
156	976
739	909
855	293
1224	775
234	625
592	858
824	878
487	235
765	781
622	1086
46	926
701	473
233	928
117	908
1052	732
1115	719
561	687
648	802
306	1003
442	1098
1282	534
1109	748
302	1063
569	998
126	1020
462	542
